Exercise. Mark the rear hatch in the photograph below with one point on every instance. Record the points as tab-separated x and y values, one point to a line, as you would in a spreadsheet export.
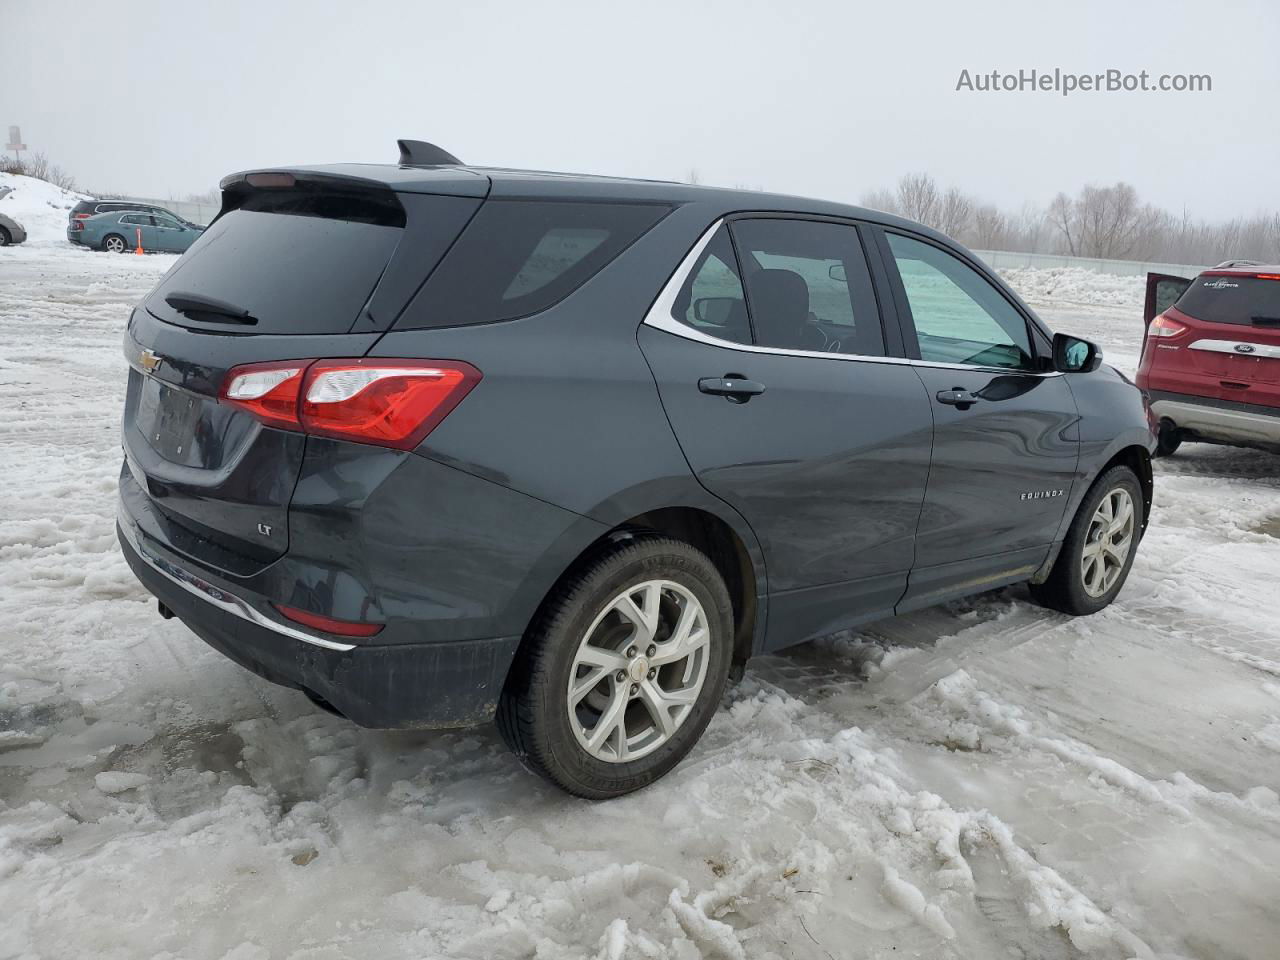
294	267
1234	335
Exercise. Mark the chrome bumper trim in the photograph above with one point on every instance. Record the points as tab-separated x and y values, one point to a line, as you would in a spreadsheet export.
220	598
1218	422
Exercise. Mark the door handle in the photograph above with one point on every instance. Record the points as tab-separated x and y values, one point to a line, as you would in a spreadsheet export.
733	387
958	397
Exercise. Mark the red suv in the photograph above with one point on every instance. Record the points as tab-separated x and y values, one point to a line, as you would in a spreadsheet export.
1211	356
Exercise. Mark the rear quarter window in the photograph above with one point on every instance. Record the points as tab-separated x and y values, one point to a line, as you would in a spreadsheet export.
519	257
1233	298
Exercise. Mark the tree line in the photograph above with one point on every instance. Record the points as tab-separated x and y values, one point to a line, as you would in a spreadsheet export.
1109	222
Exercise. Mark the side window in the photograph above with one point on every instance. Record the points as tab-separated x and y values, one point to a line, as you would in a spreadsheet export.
959	316
808	287
711	300
133	219
519	257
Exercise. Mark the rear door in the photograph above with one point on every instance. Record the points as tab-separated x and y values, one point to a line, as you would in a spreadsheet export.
282	274
1005	435
773	369
139	231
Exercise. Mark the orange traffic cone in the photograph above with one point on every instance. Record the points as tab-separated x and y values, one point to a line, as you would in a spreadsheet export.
139	250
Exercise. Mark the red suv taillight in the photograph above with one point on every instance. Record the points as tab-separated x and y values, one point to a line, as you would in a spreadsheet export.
391	403
1163	326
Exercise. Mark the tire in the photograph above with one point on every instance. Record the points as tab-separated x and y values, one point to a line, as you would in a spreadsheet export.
657	574
5	239
1168	439
114	243
1079	588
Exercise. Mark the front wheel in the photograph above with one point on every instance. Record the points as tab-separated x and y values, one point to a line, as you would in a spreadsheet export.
622	670
5	239
1099	547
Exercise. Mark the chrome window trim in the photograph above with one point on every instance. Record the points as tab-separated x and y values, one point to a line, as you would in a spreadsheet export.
216	596
1229	346
660	317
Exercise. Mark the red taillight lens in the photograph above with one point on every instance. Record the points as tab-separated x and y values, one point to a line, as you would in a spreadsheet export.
392	403
269	391
81	216
76	225
343	628
1162	326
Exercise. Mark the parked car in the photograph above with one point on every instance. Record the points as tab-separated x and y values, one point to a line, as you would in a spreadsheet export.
89	208
10	231
569	449
1211	356
118	232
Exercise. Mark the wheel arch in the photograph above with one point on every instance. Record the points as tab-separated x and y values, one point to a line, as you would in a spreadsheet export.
719	533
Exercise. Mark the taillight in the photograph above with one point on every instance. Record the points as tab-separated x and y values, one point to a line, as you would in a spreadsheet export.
343	628
1162	326
76	225
81	216
269	391
391	403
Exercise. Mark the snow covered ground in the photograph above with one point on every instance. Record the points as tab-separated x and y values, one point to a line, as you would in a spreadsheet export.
983	780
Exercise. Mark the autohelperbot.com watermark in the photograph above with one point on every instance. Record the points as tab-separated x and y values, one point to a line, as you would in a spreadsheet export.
1065	83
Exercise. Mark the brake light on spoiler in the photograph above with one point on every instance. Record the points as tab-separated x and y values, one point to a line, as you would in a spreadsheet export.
390	403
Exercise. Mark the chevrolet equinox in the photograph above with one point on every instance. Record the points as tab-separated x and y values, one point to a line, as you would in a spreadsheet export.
435	443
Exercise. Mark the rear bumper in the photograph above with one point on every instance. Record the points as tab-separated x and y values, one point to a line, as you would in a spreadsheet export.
401	685
1219	420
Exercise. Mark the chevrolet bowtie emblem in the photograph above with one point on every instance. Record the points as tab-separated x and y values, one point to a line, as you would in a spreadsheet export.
148	360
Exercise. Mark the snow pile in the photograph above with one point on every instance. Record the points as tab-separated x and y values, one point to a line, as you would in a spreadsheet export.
1075	285
39	207
983	780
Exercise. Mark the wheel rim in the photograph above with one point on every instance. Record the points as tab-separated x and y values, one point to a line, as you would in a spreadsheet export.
638	671
115	244
1108	542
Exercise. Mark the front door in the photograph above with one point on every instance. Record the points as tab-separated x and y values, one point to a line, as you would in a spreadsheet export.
170	235
1005	438
773	373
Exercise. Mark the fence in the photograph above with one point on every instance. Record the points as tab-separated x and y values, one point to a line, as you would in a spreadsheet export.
1006	260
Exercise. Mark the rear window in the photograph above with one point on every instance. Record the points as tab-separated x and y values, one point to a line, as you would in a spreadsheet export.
297	262
1232	298
519	257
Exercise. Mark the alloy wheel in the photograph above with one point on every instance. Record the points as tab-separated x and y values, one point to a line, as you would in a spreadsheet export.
638	671
1108	542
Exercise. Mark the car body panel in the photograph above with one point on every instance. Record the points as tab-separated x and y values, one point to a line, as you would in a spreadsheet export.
14	230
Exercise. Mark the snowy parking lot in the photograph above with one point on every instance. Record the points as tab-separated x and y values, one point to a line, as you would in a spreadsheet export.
983	780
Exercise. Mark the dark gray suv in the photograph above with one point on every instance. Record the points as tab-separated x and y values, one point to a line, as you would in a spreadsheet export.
432	442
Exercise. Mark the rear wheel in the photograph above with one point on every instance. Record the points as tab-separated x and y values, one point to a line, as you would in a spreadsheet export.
622	670
1168	439
114	243
1099	548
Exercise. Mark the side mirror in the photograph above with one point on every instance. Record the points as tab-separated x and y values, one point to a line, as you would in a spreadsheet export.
1075	355
714	311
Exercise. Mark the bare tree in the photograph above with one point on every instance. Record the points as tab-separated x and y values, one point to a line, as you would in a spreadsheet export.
955	211
884	200
918	197
38	165
990	227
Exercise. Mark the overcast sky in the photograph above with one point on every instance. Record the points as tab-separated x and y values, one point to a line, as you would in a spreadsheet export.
824	99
